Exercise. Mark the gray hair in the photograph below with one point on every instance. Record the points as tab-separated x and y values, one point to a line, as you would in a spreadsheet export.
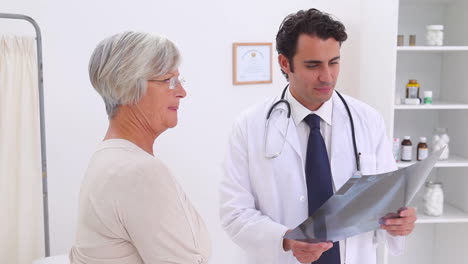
121	65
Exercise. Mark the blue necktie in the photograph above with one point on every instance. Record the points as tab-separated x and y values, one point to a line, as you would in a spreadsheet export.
319	180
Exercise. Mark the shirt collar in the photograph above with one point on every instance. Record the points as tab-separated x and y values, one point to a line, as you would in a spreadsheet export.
299	112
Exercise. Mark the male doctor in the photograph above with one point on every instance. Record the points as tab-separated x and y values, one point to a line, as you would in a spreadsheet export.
263	197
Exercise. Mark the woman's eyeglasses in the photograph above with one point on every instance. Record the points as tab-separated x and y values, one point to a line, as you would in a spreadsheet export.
173	81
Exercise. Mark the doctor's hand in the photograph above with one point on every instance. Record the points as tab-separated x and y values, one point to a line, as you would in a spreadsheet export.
402	225
306	252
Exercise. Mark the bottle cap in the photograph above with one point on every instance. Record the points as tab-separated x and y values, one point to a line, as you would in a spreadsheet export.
413	81
440	130
431	183
435	27
427	93
407	137
422	139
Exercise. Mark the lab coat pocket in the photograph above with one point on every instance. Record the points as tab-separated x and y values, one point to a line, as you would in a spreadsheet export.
368	164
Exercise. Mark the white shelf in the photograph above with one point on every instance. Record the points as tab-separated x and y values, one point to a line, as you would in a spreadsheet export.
434	105
432	48
450	215
452	162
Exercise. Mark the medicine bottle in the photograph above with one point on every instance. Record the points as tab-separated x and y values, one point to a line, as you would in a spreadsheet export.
434	35
406	149
433	199
412	40
412	89
400	40
427	97
440	139
423	150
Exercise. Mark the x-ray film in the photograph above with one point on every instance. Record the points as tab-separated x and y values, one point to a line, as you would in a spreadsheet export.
363	202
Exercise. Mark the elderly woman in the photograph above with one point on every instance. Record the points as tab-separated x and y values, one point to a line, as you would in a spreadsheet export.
132	210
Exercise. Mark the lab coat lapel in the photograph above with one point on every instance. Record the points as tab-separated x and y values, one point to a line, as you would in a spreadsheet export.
291	135
342	153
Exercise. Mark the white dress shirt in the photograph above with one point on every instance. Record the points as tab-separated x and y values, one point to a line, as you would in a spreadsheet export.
299	112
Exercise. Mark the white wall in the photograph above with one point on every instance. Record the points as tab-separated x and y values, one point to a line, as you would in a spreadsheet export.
378	56
204	31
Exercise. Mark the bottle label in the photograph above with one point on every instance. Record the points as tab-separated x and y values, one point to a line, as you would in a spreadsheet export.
412	92
427	100
406	153
423	153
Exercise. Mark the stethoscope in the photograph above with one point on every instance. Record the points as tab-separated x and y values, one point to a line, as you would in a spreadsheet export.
288	106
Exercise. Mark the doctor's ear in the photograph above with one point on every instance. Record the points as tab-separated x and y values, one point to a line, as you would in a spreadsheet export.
284	63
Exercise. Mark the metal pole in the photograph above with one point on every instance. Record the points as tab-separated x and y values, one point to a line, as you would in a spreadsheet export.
42	124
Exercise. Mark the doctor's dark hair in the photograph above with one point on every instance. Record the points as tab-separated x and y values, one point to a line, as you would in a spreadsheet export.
311	22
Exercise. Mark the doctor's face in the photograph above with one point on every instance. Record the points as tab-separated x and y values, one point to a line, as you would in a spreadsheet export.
314	70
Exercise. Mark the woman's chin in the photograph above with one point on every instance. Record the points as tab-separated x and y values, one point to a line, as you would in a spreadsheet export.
172	124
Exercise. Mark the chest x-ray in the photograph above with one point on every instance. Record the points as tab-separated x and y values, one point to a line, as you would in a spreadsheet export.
362	203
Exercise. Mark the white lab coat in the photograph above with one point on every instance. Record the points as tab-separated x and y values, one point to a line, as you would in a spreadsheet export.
262	198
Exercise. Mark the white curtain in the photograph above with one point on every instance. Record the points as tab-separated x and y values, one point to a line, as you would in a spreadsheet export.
21	219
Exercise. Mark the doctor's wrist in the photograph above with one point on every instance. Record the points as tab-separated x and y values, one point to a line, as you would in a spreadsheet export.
286	244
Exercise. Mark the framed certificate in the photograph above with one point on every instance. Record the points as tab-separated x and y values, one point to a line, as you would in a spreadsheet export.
251	63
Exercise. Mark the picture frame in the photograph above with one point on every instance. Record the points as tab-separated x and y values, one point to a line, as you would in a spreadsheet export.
252	63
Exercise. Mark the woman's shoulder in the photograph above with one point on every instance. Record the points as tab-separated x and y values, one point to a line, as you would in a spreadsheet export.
127	158
119	164
145	170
